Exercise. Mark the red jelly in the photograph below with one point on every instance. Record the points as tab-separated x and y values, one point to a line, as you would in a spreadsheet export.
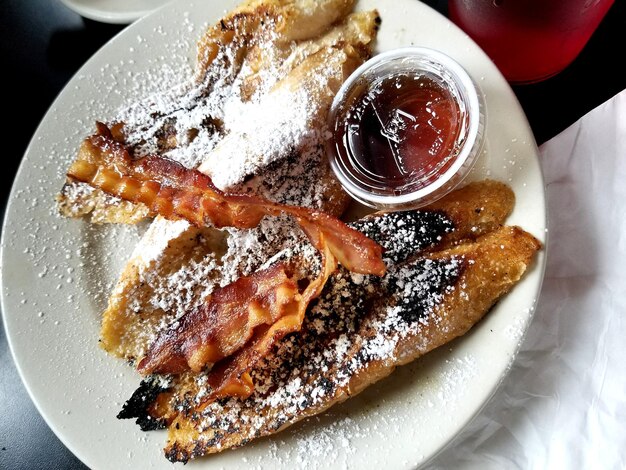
401	129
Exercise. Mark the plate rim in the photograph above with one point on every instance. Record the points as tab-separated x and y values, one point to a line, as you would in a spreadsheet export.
539	263
110	16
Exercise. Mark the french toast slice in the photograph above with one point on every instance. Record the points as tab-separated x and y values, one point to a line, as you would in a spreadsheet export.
175	265
429	301
451	243
251	63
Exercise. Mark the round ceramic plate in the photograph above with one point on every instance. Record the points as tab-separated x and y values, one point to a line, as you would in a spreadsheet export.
114	11
57	273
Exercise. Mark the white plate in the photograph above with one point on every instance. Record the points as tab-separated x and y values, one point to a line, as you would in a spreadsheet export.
51	265
114	11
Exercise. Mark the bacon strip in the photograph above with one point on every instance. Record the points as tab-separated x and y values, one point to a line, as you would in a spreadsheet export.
242	321
263	307
232	376
224	323
174	191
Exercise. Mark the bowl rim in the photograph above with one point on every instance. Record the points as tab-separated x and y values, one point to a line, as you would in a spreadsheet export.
472	144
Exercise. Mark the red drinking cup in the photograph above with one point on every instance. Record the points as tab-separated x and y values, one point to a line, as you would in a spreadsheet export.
529	40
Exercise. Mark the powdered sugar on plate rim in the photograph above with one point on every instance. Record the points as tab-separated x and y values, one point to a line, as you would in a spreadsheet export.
48	264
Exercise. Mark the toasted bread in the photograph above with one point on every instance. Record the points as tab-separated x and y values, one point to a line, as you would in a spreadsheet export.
459	261
176	265
278	62
337	356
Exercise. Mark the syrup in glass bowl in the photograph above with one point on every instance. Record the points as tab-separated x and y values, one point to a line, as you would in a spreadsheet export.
407	127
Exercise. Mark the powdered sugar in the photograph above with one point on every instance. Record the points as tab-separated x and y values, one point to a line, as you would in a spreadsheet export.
351	328
238	119
235	119
156	239
276	125
455	374
325	444
182	122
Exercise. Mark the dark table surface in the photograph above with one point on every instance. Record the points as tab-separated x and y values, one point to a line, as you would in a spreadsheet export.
43	44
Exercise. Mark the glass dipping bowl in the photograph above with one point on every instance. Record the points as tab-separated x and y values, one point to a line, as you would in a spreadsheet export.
406	128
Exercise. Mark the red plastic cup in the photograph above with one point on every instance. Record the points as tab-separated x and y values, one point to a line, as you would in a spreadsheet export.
529	40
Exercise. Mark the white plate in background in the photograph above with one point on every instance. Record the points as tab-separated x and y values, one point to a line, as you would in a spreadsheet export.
57	273
114	11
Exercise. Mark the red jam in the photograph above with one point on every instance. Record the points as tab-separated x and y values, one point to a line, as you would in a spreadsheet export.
399	133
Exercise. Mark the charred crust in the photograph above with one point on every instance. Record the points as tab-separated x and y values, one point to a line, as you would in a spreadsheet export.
327	385
217	438
436	278
278	423
403	234
177	454
137	406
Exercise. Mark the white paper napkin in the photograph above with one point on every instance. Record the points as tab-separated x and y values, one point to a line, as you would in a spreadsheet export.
563	404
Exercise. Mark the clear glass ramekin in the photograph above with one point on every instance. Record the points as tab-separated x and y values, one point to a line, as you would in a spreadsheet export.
446	73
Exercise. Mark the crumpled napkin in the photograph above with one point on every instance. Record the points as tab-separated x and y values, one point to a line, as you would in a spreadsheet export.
563	404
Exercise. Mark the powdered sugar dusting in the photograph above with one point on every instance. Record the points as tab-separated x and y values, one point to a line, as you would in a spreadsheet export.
455	375
515	330
178	266
359	322
236	118
156	239
277	124
183	122
326	444
244	112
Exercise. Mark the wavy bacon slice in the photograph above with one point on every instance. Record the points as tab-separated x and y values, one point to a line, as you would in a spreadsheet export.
242	321
266	304
174	191
224	323
232	376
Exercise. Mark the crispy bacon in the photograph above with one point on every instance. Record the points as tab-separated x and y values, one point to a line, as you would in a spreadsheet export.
238	324
232	376
174	191
225	322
